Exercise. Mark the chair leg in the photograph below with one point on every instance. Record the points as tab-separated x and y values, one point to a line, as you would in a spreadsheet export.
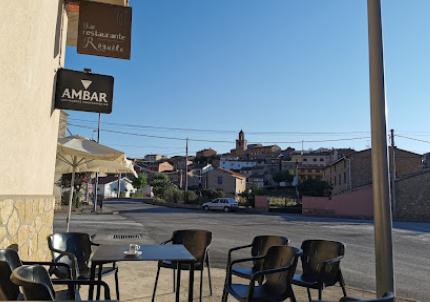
224	295
201	285
155	285
309	294
342	284
209	275
174	280
319	294
292	295
117	284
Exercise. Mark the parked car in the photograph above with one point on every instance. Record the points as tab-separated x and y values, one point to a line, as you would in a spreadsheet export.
223	204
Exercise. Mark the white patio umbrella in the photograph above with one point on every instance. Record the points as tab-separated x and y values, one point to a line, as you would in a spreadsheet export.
76	154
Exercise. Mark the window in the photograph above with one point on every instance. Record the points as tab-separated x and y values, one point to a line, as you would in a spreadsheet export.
321	159
220	180
344	177
305	159
315	159
335	182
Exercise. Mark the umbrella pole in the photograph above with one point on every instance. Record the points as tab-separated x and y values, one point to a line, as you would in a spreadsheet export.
72	185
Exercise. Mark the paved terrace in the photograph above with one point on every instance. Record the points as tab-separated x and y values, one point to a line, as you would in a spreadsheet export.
155	225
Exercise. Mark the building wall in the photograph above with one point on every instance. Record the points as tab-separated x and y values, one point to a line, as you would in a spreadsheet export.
27	221
357	203
413	197
337	175
236	164
228	185
32	49
240	185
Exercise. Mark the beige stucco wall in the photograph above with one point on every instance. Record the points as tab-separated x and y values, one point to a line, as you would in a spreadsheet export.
32	49
30	54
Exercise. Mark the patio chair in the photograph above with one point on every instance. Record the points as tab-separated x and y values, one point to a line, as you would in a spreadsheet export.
75	250
9	260
36	284
197	242
320	266
387	297
259	247
278	268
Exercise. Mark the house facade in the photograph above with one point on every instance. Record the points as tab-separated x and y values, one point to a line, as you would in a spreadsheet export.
355	170
108	187
231	183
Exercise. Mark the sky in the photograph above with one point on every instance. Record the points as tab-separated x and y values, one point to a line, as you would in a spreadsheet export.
284	71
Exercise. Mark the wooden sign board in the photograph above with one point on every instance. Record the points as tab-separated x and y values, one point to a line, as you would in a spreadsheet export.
104	30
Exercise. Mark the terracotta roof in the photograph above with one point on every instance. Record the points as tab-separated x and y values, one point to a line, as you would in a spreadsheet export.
235	174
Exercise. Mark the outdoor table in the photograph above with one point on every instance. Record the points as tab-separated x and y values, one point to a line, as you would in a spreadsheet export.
169	252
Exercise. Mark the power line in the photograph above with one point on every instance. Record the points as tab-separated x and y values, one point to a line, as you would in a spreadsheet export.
413	139
220	130
220	141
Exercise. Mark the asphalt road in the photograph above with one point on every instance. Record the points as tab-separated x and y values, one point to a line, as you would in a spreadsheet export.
411	240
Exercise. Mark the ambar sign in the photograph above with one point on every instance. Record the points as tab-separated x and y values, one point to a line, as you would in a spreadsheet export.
104	30
83	91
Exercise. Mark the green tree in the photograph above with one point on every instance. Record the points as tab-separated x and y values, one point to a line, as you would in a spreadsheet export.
160	183
283	176
313	187
141	181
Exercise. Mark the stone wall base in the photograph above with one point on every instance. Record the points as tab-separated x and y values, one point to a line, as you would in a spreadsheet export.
27	221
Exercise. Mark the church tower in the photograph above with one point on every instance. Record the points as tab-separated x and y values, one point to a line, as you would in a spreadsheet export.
241	143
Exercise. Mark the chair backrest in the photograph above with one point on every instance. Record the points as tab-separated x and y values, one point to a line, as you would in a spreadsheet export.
34	281
279	284
317	251
9	260
261	244
79	244
196	241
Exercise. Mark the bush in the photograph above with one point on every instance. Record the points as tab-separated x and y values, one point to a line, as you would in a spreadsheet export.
173	194
160	184
191	197
209	194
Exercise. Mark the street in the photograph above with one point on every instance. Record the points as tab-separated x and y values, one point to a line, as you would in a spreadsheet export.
412	262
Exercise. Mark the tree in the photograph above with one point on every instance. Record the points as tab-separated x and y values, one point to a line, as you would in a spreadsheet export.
81	179
160	183
141	181
313	187
282	176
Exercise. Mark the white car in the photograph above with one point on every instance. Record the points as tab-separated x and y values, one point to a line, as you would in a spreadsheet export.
223	204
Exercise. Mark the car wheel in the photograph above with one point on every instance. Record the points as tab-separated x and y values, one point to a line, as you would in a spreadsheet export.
206	208
226	209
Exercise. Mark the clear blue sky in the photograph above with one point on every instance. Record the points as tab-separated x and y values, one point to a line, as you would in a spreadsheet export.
262	66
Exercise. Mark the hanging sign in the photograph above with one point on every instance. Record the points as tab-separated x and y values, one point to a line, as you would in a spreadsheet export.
104	30
83	91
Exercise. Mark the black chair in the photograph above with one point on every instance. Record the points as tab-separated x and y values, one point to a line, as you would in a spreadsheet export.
279	266
197	243
387	297
36	284
9	260
320	266
259	247
75	250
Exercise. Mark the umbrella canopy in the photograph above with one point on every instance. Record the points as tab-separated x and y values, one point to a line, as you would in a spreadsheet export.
79	154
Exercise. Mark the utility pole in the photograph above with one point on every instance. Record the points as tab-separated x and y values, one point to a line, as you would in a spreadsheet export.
393	171
380	172
118	193
186	165
97	174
